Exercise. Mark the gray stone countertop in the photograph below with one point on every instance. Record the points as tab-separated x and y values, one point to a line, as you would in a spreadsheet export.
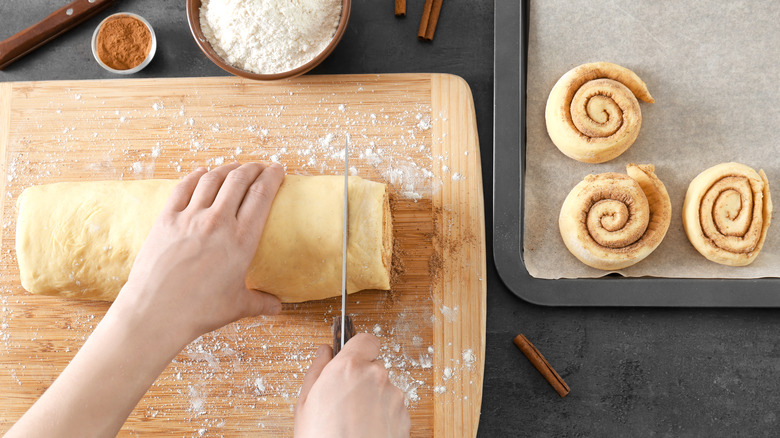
632	371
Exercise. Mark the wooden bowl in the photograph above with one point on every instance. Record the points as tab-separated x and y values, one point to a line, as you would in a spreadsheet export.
193	17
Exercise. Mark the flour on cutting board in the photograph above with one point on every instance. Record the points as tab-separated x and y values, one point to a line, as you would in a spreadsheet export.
396	159
175	139
5	314
254	374
220	357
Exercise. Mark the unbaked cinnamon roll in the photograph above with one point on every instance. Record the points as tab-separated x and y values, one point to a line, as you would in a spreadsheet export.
726	213
592	112
611	221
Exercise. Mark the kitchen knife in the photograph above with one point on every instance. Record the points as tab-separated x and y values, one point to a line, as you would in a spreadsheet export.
60	21
342	325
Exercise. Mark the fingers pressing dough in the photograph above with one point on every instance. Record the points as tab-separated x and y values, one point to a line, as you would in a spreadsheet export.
726	213
79	239
611	220
592	112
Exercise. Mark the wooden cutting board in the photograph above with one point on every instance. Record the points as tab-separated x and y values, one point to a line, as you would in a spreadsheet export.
416	132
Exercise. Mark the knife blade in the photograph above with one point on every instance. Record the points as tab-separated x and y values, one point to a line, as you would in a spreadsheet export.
343	329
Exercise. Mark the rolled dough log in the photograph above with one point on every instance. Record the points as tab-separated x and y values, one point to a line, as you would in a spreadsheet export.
79	239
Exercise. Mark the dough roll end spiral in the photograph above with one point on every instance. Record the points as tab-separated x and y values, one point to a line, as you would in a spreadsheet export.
592	113
611	221
80	239
727	212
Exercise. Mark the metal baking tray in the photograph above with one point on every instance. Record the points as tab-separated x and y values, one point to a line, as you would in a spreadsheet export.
511	48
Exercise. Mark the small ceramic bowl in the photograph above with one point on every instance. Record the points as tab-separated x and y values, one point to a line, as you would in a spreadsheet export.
140	66
193	17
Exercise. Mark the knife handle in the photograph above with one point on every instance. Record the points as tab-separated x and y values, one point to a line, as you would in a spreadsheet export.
349	332
60	21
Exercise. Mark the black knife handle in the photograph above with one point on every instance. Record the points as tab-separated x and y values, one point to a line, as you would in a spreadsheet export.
349	332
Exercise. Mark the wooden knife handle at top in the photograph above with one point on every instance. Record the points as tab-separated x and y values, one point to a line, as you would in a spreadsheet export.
49	28
349	332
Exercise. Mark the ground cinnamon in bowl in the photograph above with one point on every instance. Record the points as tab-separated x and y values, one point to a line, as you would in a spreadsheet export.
123	42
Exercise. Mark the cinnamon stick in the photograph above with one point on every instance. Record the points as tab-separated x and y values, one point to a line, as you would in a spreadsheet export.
400	8
541	365
433	19
426	15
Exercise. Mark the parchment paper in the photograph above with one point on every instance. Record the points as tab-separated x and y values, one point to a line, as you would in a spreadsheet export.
714	71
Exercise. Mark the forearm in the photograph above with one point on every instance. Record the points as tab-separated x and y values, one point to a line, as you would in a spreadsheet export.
187	279
105	380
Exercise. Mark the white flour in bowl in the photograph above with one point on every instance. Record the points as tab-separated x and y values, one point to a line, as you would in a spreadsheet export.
269	36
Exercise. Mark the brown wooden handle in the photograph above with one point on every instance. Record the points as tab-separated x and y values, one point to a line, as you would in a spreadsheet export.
60	21
349	332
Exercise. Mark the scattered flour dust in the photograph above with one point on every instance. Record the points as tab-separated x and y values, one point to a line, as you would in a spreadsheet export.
468	357
269	36
424	123
259	385
404	160
450	313
405	370
218	357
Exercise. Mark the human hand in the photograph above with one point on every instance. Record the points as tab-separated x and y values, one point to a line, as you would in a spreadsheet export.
350	395
189	276
187	279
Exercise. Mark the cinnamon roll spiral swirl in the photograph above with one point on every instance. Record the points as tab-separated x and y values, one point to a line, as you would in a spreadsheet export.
612	221
592	112
726	213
